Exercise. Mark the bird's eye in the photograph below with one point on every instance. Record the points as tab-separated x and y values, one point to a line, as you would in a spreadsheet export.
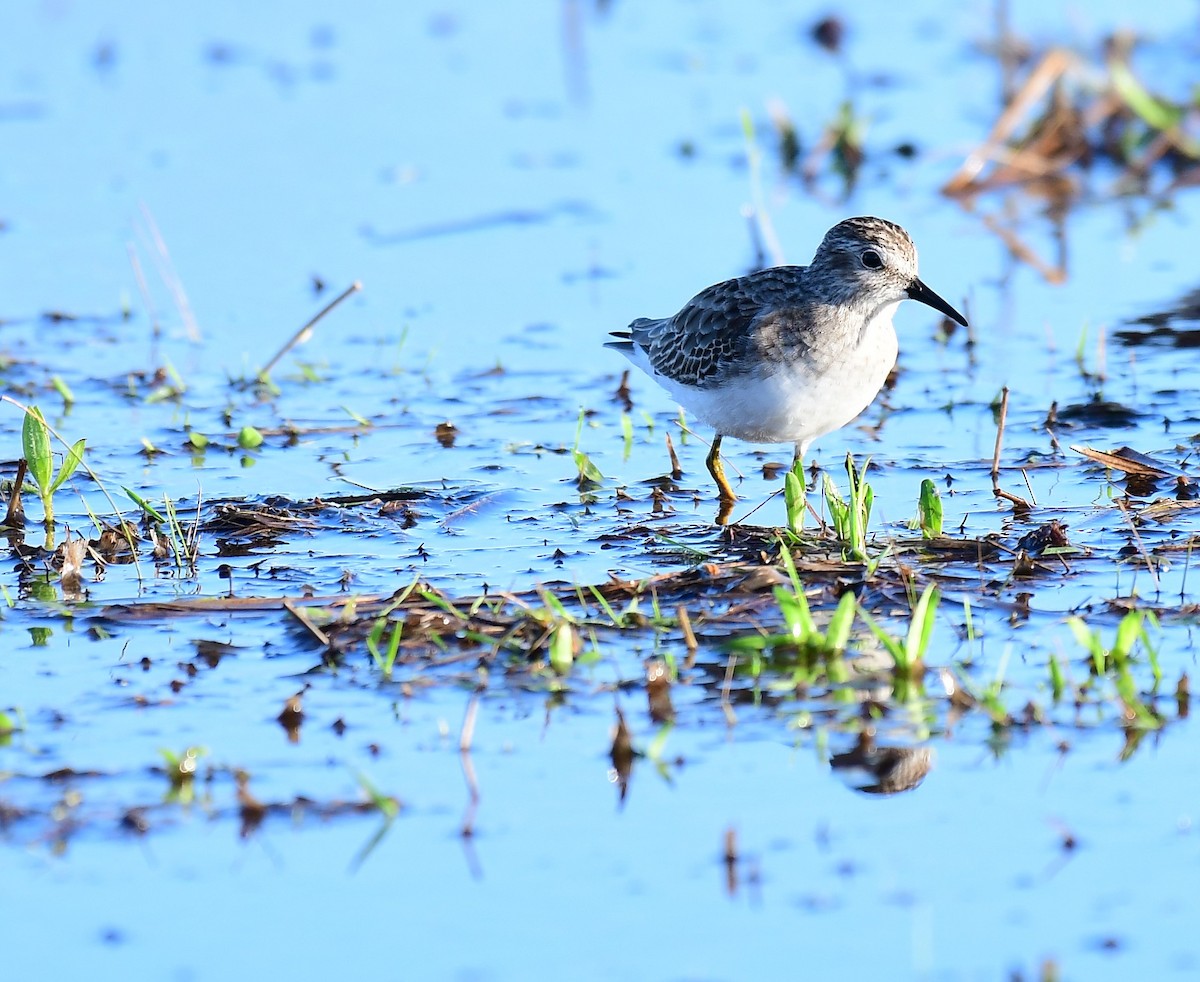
871	259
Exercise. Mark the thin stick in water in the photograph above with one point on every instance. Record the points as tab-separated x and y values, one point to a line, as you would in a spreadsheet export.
676	470
999	438
303	334
726	705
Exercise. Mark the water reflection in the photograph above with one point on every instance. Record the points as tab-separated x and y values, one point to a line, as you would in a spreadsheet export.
875	769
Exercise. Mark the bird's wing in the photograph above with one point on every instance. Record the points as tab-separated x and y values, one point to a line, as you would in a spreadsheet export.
712	335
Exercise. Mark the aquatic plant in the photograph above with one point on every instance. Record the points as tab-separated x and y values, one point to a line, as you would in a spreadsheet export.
1116	660
180	769
801	629
851	515
35	443
929	510
795	498
180	543
909	651
588	476
385	661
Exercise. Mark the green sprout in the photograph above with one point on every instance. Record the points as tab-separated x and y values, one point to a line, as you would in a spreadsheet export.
589	475
852	514
35	442
181	542
801	629
1116	661
181	772
794	497
929	511
385	661
562	648
909	652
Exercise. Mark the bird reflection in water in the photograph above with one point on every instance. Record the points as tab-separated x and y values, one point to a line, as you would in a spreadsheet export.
874	769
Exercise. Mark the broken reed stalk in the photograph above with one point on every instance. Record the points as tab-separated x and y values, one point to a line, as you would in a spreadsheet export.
731	861
468	768
689	636
169	275
302	335
676	470
1052	274
147	300
306	622
1123	505
14	517
685	627
999	440
468	728
1040	81
726	705
1017	501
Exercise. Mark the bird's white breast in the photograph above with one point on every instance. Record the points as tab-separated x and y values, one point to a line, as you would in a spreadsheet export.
795	402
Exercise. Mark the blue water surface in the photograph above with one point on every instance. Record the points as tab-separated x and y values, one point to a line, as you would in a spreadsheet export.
511	182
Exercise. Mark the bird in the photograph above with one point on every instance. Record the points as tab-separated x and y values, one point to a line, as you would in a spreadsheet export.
787	354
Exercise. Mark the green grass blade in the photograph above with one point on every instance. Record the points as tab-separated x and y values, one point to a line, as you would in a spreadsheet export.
72	460
841	623
1090	640
143	504
920	629
35	443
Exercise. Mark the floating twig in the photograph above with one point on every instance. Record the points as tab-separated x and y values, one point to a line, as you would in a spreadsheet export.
305	332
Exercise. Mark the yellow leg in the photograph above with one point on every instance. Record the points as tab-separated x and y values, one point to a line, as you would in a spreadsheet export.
717	470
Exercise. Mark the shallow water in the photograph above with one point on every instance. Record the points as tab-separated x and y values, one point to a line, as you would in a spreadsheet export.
505	207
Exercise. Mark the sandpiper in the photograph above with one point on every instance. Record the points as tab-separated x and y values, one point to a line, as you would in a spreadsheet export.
790	353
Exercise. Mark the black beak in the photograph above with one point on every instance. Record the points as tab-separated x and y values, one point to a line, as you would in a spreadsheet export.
919	291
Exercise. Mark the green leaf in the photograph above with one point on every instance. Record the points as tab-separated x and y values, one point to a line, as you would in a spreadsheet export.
1151	620
796	613
789	564
840	624
249	438
752	642
393	648
35	442
894	646
1128	632
1155	112
562	648
372	640
143	504
1057	683
930	507
360	420
589	473
72	461
1090	640
921	628
658	745
64	390
386	804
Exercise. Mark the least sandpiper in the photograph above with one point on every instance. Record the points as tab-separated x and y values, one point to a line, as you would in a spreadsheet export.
790	353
